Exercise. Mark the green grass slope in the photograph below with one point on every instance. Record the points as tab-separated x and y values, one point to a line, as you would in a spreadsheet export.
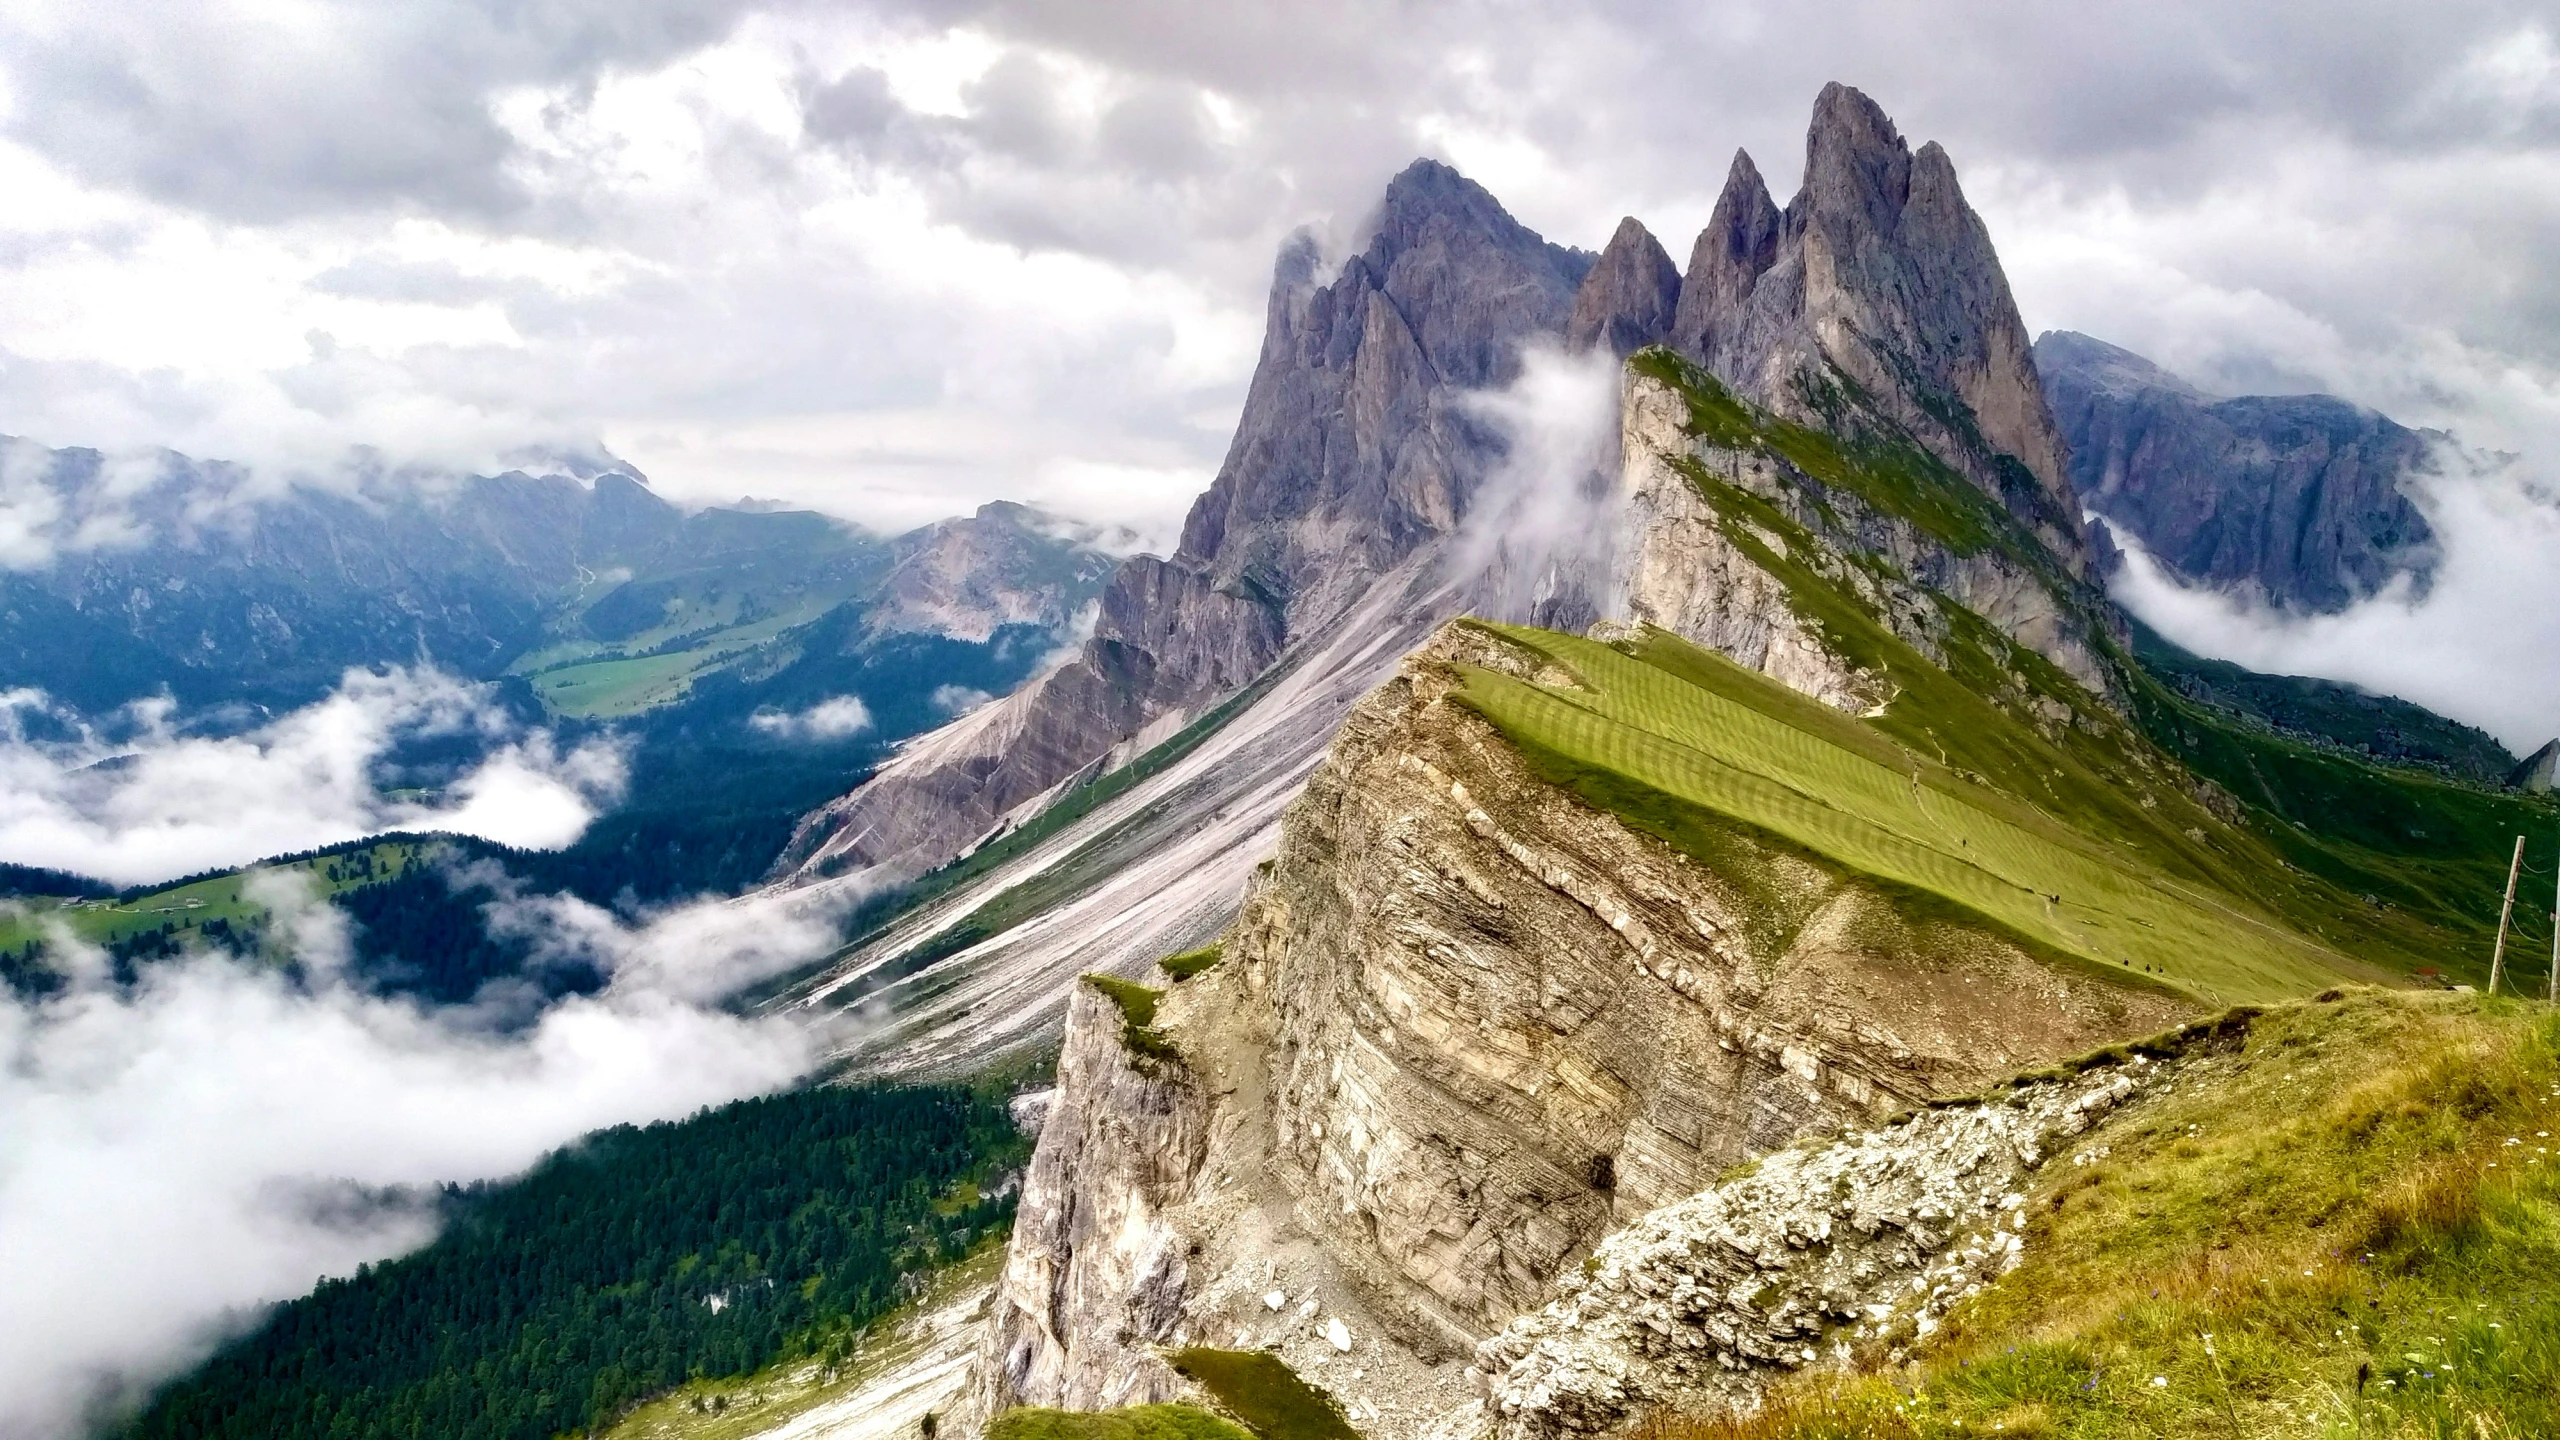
2398	868
1681	740
2349	1233
184	909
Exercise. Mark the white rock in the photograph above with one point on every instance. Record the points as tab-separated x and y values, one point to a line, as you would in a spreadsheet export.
1272	1300
1338	1335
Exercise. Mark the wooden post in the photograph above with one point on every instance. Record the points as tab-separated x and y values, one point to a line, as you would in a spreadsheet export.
2506	912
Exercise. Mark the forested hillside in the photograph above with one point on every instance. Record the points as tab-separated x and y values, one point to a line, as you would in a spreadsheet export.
619	1268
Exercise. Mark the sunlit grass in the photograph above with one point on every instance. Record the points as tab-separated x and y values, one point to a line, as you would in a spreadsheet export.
2351	1231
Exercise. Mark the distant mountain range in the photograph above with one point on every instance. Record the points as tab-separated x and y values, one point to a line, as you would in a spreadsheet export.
605	598
2302	499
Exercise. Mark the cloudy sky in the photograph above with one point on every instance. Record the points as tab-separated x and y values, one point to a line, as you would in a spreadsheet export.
892	258
895	258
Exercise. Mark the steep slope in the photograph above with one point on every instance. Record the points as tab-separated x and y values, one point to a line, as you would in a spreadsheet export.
2299	497
1558	933
1354	452
1562	930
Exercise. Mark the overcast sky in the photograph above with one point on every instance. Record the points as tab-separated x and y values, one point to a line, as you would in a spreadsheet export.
896	258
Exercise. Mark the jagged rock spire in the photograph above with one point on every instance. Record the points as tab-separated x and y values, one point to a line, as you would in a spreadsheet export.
1878	273
1732	253
1628	300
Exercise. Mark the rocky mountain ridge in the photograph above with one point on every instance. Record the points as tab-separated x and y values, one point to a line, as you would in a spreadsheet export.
1356	465
2302	500
244	594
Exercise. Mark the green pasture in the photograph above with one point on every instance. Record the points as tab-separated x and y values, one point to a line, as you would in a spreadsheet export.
1680	727
190	905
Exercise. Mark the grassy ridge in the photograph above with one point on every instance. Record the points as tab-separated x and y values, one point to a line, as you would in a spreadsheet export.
1695	729
2350	1233
2400	868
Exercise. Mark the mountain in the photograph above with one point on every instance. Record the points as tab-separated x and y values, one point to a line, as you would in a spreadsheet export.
1353	453
1874	306
2299	498
196	578
1522	1048
1810	959
1110	811
1863	802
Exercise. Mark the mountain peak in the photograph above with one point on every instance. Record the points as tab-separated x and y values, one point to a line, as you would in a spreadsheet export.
2108	368
1879	275
1628	300
1737	247
1855	161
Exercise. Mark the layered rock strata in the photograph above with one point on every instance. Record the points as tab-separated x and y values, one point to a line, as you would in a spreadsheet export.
1465	1025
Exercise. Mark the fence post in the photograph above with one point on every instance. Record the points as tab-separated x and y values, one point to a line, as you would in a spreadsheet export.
2506	912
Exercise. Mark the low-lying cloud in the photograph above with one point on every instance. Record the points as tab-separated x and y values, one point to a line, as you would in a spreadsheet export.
156	803
220	1134
2476	646
1542	532
830	719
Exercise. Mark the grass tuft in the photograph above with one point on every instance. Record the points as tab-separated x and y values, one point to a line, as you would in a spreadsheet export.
1191	962
1138	1033
1142	1422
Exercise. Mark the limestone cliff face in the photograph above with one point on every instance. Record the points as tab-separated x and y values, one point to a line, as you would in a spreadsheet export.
1689	570
1820	1256
1096	1275
1875	299
1465	1024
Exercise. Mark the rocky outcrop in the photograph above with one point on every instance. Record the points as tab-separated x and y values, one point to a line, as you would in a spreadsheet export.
1875	302
970	577
1164	642
1818	1256
2299	498
1707	573
1465	1024
1096	1275
1628	300
1355	450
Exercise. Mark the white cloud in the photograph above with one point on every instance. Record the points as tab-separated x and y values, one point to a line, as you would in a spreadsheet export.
959	699
830	719
1544	527
220	1135
2476	646
161	803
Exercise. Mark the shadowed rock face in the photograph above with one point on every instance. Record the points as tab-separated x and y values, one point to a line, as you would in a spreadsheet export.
1628	300
2296	495
1354	451
1875	301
